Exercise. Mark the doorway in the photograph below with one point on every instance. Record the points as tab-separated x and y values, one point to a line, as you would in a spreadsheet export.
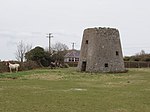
83	66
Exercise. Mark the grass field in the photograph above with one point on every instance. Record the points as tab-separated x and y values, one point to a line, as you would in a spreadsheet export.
66	90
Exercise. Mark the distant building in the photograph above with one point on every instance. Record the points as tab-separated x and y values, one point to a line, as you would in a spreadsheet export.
72	56
101	51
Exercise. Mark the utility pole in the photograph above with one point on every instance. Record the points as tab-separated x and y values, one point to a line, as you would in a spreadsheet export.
73	44
50	36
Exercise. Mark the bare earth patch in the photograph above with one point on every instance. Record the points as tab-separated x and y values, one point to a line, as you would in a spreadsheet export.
119	110
77	89
43	77
1	89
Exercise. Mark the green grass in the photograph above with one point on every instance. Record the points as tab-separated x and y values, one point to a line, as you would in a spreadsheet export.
66	90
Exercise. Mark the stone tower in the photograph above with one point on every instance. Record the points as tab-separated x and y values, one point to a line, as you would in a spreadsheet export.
101	51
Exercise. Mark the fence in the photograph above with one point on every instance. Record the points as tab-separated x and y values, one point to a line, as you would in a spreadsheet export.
128	64
72	64
136	64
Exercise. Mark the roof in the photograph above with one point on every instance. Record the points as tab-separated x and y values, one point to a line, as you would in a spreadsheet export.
73	54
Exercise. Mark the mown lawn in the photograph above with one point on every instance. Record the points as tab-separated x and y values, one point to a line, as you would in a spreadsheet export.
66	90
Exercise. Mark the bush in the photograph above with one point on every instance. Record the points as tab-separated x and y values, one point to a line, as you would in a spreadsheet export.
3	67
29	65
66	65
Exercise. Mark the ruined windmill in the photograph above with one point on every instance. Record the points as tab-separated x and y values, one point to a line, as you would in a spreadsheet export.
101	51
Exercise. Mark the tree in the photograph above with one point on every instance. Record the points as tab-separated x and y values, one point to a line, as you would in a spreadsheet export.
39	55
35	54
126	58
141	56
59	50
59	47
141	53
22	48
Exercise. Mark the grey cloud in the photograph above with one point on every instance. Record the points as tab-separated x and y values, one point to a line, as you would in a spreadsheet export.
7	34
18	35
31	20
66	34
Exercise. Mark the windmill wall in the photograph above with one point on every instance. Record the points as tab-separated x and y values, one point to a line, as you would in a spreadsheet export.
101	51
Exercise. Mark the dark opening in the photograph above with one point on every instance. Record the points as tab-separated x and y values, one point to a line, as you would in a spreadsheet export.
83	66
87	42
117	53
106	64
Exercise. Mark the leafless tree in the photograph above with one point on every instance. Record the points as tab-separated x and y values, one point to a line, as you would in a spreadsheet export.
141	53
59	47
22	48
59	50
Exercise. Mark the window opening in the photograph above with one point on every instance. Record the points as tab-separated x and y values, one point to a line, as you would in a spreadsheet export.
117	53
76	59
87	42
106	64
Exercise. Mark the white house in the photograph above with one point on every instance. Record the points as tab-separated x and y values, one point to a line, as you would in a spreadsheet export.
72	56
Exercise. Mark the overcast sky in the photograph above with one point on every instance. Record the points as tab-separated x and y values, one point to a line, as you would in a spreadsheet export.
31	20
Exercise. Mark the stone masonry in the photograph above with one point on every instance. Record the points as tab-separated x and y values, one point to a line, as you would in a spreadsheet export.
101	51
